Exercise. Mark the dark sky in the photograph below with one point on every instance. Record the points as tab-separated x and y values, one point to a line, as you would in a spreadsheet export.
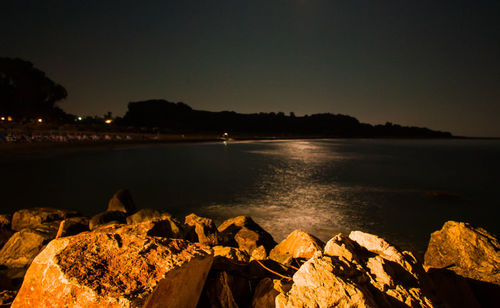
424	63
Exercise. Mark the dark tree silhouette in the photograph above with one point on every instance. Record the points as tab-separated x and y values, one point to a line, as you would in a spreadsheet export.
179	117
26	92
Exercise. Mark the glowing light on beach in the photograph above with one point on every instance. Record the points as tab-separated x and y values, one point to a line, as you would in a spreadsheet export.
2	118
79	118
108	121
40	120
9	119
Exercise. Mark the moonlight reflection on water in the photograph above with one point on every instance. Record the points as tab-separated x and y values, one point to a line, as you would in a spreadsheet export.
289	194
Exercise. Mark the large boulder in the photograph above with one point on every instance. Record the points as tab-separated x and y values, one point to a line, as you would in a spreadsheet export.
24	245
466	250
146	214
204	231
116	266
122	201
326	282
361	270
36	216
298	244
244	233
107	218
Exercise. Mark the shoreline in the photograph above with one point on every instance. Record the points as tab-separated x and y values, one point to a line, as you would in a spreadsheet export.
26	149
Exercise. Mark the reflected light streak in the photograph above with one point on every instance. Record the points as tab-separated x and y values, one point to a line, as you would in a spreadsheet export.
288	197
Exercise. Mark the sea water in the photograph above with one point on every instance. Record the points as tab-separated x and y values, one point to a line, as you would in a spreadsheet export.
401	190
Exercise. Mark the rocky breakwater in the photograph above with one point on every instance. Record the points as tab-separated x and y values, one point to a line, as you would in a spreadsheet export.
126	257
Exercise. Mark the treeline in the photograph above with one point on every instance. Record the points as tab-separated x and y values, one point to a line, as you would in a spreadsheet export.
180	118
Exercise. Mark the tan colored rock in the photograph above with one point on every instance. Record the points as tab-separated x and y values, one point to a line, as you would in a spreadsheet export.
146	214
298	244
259	253
231	253
36	216
122	201
321	282
344	247
244	233
23	246
205	231
379	246
116	266
466	250
107	218
369	277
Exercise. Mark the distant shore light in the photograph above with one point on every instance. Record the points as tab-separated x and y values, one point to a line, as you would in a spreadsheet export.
79	118
2	118
108	121
40	120
9	118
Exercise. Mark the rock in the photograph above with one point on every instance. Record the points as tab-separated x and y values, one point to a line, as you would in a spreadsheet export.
5	220
116	266
259	253
244	233
205	230
11	278
122	201
24	245
344	247
266	292
6	298
387	251
167	228
326	282
468	251
231	253
36	216
226	291
217	292
298	244
5	235
374	275
146	214
107	218
73	226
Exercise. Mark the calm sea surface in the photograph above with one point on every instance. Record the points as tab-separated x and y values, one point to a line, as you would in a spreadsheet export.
321	186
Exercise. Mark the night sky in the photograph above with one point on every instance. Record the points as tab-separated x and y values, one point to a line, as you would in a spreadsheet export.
423	63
